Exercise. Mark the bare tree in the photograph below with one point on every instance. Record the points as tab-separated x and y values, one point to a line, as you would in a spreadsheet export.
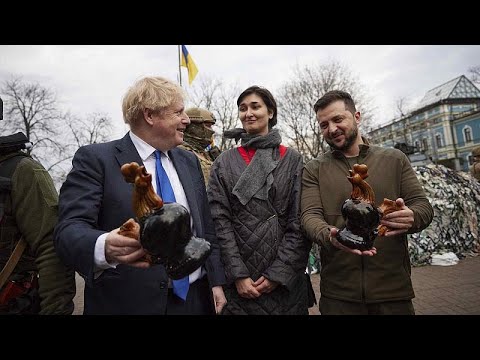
297	96
218	97
93	129
401	105
33	110
204	92
475	74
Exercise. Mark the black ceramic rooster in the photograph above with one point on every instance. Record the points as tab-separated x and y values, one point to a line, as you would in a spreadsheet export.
362	218
163	229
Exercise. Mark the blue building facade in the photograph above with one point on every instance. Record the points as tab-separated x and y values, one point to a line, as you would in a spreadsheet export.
445	125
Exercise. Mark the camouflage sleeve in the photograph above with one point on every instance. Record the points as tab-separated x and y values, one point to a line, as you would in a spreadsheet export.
35	207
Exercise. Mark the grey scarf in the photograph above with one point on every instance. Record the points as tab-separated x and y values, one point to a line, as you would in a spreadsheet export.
257	179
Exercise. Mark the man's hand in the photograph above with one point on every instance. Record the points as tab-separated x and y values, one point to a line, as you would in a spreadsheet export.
400	221
337	244
124	250
219	298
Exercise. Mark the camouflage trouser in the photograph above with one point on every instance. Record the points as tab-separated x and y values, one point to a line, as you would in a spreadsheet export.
313	265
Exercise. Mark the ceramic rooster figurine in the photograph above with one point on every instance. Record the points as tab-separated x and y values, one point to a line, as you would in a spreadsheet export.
163	229
362	218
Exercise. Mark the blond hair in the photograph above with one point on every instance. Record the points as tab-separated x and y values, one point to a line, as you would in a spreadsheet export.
151	92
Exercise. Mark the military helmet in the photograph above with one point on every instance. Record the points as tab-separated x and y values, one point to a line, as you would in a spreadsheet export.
476	151
199	115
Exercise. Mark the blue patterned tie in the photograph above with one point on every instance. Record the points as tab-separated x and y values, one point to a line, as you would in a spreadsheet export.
165	190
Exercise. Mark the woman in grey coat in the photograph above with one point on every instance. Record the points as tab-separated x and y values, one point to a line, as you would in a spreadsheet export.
254	195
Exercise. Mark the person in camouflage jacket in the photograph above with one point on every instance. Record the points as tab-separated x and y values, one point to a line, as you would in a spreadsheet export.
198	138
30	210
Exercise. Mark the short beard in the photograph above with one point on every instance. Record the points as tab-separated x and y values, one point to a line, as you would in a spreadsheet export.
349	140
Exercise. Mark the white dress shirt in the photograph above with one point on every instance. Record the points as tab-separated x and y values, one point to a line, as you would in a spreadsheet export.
147	154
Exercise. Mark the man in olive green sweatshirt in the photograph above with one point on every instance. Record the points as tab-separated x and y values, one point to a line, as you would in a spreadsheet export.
375	281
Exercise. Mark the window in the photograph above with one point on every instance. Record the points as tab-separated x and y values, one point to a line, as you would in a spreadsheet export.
425	144
467	134
439	140
462	108
470	160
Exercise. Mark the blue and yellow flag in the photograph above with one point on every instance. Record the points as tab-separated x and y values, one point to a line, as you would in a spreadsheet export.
188	62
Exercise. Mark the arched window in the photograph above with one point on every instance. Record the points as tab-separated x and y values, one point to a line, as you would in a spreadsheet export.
467	134
425	144
439	140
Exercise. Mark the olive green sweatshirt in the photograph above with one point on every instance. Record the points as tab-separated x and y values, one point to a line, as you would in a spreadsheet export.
32	208
349	277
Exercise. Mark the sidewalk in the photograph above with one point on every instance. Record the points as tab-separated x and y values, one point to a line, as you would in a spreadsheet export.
439	290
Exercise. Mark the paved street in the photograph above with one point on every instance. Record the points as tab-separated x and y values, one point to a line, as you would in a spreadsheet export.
440	290
78	300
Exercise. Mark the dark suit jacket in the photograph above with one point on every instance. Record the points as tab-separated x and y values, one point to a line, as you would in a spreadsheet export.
96	199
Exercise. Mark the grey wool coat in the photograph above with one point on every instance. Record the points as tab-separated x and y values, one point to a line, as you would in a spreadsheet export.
261	238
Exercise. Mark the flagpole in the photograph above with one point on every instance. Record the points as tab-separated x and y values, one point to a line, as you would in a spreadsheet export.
179	65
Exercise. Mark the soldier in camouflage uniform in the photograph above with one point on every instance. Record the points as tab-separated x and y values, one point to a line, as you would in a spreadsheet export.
198	138
475	168
30	210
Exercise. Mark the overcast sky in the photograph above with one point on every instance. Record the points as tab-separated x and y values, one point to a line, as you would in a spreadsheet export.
94	78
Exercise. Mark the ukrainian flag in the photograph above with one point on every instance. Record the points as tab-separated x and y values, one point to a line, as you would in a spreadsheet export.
188	62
